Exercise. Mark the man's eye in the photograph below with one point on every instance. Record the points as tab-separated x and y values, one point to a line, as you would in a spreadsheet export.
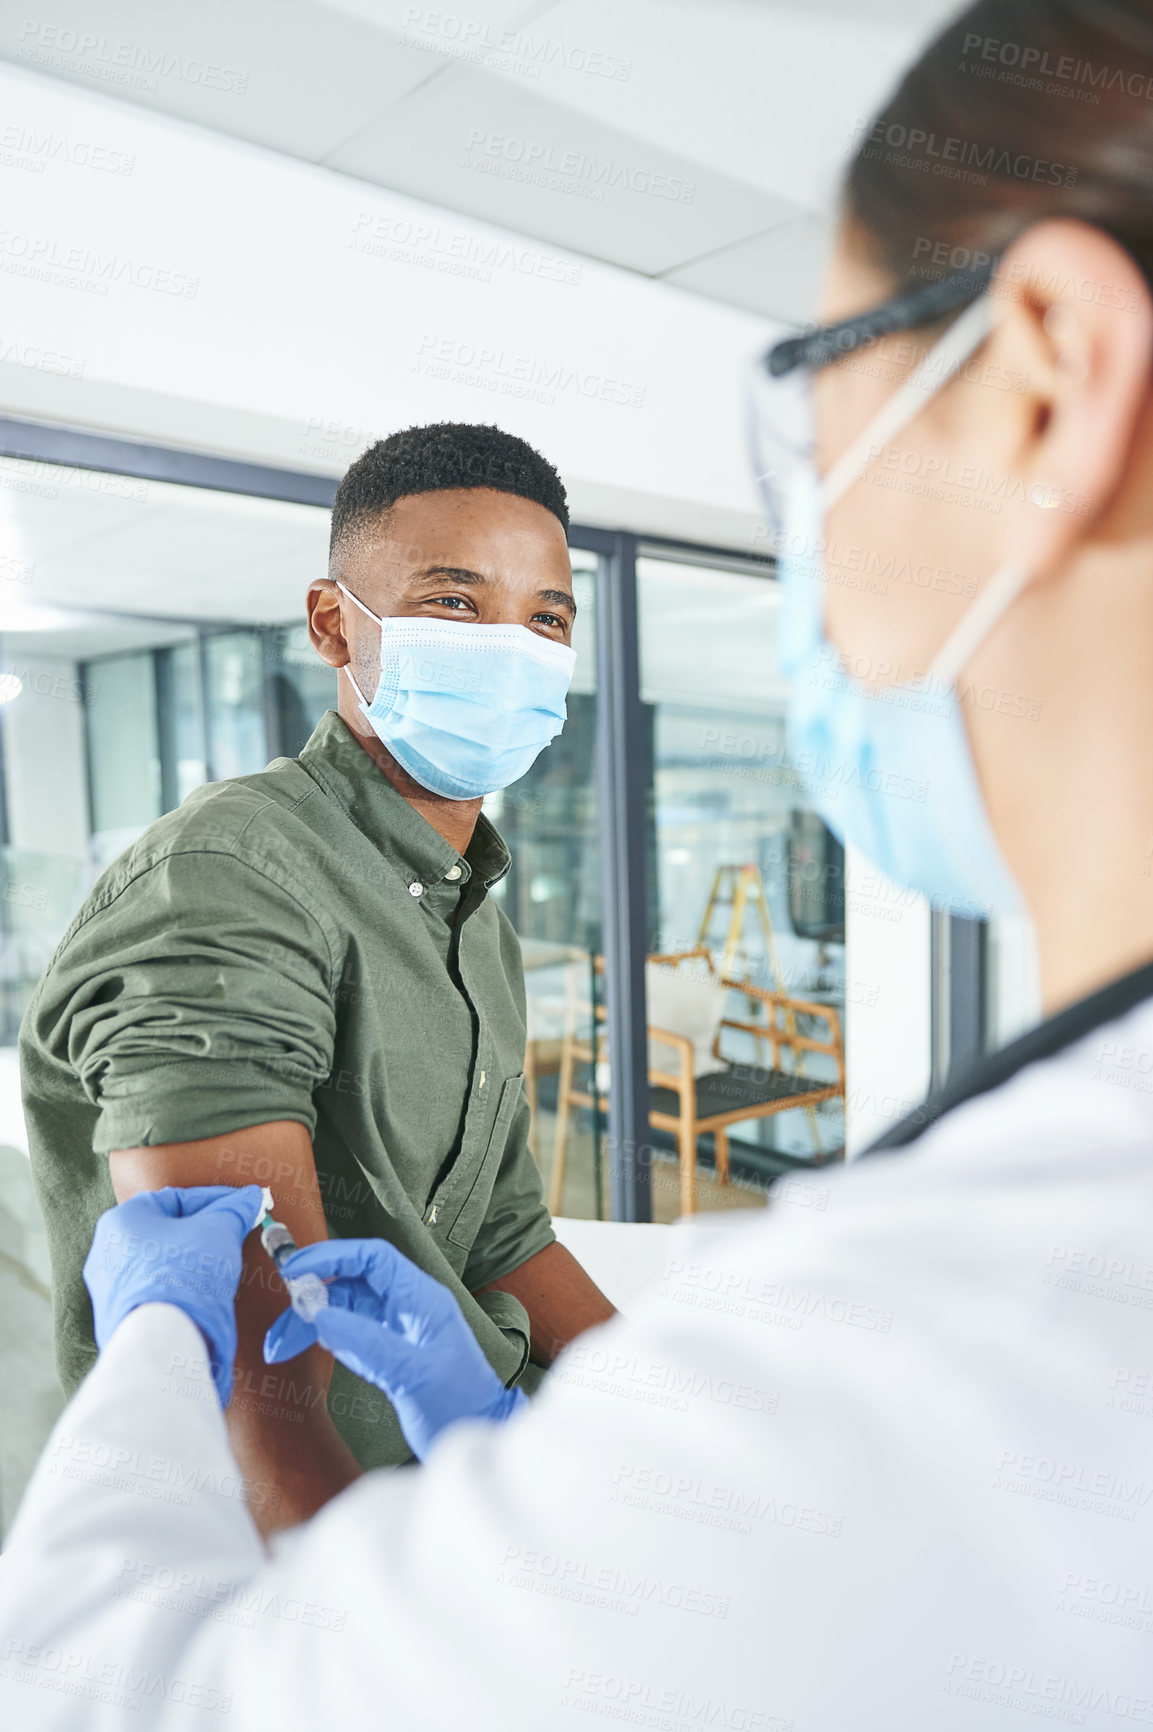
549	619
453	601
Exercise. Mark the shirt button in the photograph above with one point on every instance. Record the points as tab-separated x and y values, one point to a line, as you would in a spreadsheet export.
416	889
453	873
483	1079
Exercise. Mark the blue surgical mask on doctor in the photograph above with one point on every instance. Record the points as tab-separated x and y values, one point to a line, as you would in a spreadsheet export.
465	708
889	767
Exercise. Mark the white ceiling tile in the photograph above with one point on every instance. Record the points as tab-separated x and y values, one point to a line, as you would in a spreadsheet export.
770	93
289	74
470	25
477	143
778	273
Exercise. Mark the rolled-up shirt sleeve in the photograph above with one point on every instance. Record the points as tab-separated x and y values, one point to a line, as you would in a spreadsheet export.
197	1001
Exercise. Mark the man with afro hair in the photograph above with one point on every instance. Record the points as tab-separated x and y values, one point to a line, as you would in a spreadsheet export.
300	978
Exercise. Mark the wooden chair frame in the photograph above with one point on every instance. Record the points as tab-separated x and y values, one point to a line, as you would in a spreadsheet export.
685	1125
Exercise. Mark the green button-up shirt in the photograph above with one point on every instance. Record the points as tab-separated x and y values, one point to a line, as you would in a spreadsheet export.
299	944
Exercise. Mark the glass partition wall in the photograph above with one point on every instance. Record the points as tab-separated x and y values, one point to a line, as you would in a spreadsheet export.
160	721
552	897
744	889
749	894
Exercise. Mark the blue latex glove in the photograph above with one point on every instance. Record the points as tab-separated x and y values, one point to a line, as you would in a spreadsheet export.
400	1329
178	1247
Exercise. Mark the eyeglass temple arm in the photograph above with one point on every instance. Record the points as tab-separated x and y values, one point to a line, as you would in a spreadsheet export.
919	306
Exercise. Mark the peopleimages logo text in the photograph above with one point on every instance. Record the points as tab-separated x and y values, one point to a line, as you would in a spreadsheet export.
1025	58
38	41
595	173
951	151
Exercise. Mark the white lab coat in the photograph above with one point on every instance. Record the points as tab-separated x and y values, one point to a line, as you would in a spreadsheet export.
880	1459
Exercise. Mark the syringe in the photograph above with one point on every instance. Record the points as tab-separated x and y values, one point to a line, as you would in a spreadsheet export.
307	1293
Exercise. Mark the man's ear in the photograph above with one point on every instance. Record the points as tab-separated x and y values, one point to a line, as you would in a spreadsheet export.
326	623
1074	319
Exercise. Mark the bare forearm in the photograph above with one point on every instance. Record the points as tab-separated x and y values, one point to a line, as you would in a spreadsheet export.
289	1451
292	1456
561	1300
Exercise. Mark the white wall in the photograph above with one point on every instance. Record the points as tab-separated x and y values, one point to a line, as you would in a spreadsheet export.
207	292
888	1019
1015	978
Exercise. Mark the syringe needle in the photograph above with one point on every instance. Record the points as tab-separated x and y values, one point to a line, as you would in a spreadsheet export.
307	1293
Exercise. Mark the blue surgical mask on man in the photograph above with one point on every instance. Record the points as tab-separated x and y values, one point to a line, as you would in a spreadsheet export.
466	709
889	767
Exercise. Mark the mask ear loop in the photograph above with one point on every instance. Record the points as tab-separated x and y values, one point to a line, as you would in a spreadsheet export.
944	359
374	617
974	626
348	665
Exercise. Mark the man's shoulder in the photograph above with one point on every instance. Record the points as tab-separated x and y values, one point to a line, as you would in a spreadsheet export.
228	837
247	815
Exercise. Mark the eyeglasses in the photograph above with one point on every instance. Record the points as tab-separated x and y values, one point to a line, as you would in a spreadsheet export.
782	433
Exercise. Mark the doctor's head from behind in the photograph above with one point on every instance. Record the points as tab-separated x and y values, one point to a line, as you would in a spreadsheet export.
958	463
